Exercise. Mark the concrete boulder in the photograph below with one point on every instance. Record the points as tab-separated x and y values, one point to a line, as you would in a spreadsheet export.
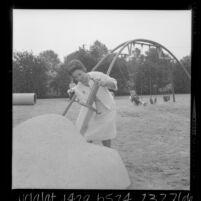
50	153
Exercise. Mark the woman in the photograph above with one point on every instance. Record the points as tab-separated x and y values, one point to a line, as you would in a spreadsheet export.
102	126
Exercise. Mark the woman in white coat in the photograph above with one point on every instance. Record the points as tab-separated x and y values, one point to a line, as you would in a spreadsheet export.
102	126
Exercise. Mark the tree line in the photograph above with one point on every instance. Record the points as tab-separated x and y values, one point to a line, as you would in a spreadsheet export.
146	72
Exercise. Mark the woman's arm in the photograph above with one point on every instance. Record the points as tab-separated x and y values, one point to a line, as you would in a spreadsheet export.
109	84
104	80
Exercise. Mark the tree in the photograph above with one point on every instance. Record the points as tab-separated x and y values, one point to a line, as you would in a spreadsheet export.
98	50
186	61
88	57
182	82
29	74
53	63
84	56
147	71
121	74
51	58
61	82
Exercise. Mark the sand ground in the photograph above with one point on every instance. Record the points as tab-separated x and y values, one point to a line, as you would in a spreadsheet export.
153	140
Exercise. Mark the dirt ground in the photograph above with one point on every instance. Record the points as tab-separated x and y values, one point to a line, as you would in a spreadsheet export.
153	140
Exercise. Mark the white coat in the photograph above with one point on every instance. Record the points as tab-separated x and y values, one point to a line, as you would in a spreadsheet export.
101	126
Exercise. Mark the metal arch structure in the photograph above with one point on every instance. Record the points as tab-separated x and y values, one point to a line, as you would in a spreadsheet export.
122	46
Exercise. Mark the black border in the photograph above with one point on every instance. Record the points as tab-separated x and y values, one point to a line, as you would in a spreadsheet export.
9	194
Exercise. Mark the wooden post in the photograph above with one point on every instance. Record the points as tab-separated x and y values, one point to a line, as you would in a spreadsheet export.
172	82
69	105
90	102
173	94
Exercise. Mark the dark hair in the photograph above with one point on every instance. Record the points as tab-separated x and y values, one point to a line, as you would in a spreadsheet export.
76	65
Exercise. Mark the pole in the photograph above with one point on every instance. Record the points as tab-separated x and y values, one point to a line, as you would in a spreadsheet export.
69	105
89	113
172	82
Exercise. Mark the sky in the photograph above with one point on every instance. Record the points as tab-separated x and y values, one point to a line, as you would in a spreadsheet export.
64	31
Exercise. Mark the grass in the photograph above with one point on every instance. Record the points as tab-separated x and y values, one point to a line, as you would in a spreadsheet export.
153	140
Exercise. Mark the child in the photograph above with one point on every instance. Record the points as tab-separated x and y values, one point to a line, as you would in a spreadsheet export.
102	126
134	98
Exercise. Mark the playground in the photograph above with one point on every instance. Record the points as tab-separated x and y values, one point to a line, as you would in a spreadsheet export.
153	140
102	100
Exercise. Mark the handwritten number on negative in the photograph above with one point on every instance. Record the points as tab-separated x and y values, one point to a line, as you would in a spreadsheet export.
126	198
175	196
164	196
153	197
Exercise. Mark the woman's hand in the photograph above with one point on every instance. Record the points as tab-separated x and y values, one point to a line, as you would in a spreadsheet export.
70	93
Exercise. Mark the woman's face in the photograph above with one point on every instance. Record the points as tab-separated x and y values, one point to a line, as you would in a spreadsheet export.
80	76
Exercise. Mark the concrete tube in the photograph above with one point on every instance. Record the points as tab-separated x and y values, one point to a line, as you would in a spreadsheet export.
24	98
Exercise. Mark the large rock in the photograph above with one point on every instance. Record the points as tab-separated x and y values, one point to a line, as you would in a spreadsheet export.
49	152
